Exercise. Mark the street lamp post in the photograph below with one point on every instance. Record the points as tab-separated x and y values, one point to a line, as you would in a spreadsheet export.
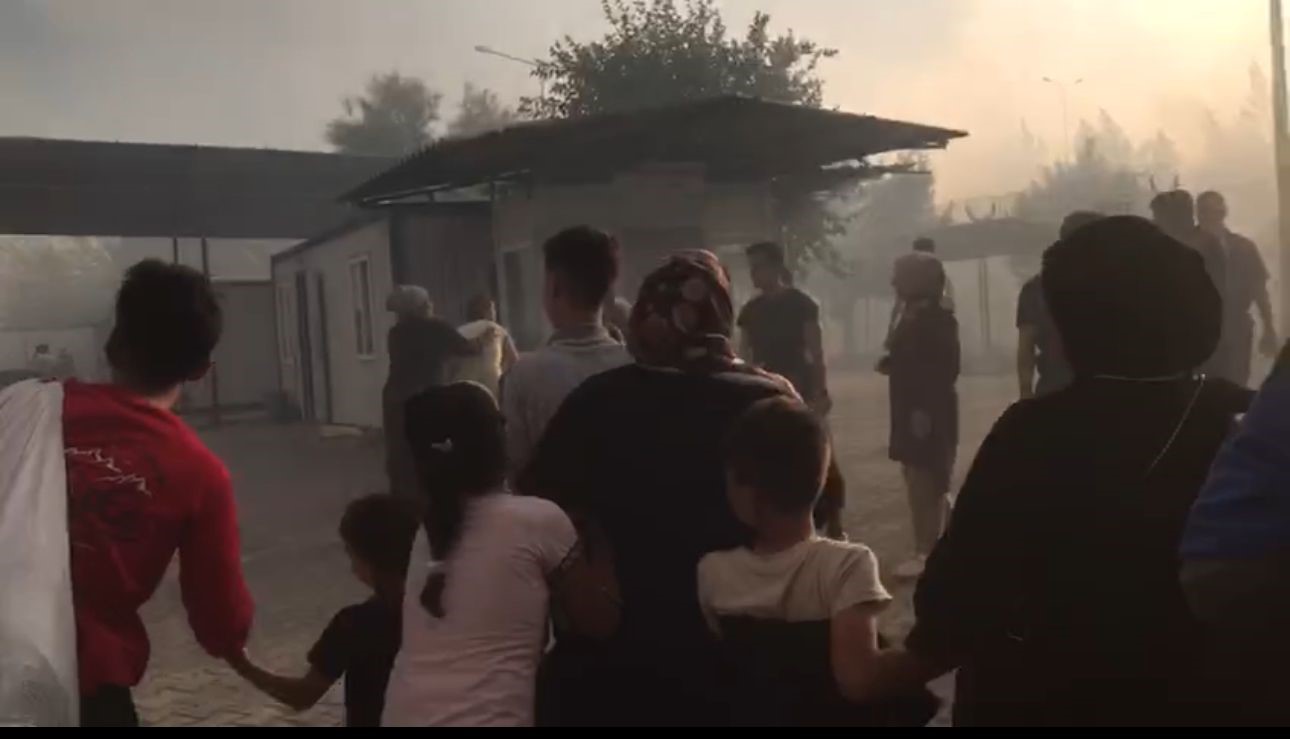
1281	144
1062	92
533	63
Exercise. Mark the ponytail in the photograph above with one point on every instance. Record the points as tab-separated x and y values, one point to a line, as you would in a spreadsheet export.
444	515
459	446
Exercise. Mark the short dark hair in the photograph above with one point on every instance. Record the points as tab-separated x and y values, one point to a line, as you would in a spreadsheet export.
168	322
780	449
1210	195
768	250
1077	219
1174	204
925	245
379	529
587	261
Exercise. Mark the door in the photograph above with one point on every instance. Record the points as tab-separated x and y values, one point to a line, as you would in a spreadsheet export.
306	348
324	351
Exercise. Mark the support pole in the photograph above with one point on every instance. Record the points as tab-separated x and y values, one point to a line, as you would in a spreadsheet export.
214	373
1280	119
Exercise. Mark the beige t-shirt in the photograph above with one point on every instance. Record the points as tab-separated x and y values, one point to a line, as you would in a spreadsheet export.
810	581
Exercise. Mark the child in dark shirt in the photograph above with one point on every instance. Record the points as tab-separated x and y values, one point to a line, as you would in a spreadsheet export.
362	640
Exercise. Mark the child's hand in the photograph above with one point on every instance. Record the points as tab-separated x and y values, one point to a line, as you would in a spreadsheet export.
240	662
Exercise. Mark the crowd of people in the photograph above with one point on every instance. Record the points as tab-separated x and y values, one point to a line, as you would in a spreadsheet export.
639	524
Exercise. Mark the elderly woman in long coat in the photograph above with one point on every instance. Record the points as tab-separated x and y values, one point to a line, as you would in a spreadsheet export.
421	348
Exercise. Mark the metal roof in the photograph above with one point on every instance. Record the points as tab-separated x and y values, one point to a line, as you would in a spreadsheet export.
103	188
735	138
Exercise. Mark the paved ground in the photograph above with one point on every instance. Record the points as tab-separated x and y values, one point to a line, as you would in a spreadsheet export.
293	485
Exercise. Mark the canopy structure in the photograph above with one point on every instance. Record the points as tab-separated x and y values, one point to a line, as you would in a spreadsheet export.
734	138
107	188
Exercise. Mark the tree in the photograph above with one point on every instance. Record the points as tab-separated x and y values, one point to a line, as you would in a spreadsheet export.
892	210
658	52
1109	174
391	118
479	112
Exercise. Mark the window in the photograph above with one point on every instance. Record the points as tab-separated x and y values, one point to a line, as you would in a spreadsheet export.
360	295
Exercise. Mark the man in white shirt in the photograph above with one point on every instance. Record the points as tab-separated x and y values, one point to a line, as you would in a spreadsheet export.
581	267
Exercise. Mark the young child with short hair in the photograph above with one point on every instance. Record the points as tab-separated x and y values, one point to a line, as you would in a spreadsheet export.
796	612
361	640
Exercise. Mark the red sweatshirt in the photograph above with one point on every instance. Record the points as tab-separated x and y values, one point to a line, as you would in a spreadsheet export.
141	485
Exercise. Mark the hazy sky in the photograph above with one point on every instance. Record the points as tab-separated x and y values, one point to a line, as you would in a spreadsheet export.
270	72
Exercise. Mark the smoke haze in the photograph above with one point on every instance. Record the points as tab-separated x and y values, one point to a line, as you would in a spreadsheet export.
271	72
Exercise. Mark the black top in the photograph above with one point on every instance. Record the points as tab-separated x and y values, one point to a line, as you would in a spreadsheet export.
1032	310
782	675
638	450
1055	588
922	367
360	643
419	350
775	324
1247	276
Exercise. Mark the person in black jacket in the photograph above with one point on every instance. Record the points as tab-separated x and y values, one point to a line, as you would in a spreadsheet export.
1054	590
923	365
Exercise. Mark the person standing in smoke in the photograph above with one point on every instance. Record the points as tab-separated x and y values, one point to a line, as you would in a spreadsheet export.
781	327
1246	286
1174	212
1054	591
923	365
1039	348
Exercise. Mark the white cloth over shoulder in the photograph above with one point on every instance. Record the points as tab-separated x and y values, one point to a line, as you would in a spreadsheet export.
485	367
38	673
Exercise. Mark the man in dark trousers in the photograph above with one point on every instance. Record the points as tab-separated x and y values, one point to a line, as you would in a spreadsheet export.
781	327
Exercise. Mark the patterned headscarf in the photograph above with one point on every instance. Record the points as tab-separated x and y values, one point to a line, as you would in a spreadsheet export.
684	315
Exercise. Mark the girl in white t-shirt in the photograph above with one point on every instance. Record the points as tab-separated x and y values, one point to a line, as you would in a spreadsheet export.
483	574
797	613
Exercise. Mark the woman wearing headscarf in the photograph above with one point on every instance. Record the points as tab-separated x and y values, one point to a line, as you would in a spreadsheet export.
421	348
634	455
1054	591
922	365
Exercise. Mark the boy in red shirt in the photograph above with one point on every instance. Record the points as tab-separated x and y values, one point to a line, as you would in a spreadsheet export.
142	486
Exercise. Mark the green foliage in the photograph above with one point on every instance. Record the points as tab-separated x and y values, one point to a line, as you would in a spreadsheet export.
658	52
391	118
479	112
